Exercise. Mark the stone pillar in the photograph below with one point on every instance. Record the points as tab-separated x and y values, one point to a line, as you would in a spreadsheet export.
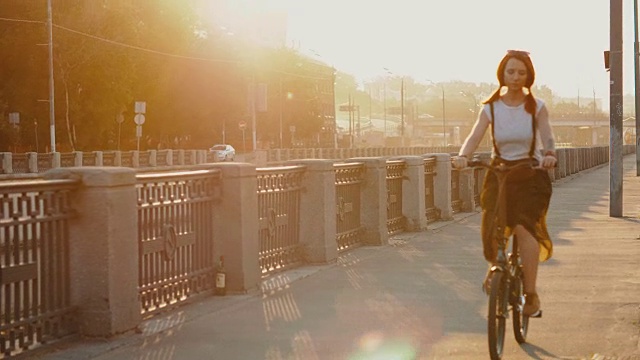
55	162
103	249
180	157
77	158
413	203
373	212
467	186
442	185
318	211
135	159
200	156
117	158
236	226
169	159
99	158
153	158
562	163
32	162
7	163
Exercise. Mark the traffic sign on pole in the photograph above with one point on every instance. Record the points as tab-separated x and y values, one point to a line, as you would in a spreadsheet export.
141	107
242	125
139	119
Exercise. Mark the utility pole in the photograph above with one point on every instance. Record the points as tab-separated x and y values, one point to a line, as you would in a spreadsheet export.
350	123
444	121
402	109
594	135
636	54
52	110
370	112
281	109
615	110
384	106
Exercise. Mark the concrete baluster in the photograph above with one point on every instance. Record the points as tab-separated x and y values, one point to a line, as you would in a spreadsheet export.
318	211
236	226
103	251
373	212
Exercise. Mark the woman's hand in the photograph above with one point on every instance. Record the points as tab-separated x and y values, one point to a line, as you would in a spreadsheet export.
549	161
459	162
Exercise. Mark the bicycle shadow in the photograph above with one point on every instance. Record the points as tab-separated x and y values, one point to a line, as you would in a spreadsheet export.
536	352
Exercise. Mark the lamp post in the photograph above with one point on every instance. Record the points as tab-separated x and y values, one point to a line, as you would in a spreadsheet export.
52	112
444	119
401	105
384	100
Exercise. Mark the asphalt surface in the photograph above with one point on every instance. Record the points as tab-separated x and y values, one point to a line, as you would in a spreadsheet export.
420	297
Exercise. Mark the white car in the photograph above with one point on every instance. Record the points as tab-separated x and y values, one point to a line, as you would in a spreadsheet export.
224	152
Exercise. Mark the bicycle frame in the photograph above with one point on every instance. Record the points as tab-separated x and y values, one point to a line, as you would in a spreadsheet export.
506	272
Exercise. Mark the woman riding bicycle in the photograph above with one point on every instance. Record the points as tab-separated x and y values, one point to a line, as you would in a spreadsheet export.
520	131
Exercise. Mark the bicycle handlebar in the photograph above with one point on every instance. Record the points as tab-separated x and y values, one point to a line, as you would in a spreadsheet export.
502	167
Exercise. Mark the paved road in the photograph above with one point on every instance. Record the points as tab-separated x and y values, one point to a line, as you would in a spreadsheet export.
420	298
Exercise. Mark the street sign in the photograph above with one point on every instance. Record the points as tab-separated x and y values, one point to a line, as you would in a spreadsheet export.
14	118
138	131
138	119
141	107
242	125
120	118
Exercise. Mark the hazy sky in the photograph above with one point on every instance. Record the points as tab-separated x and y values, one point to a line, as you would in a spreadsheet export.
463	40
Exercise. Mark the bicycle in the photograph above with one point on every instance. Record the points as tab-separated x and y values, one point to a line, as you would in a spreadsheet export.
506	274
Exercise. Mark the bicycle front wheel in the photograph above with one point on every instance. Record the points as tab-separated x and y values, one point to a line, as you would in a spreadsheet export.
520	321
498	300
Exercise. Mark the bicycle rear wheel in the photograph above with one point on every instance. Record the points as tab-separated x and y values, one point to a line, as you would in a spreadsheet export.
520	321
498	300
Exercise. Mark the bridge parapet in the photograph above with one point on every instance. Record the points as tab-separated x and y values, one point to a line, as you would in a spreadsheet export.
180	220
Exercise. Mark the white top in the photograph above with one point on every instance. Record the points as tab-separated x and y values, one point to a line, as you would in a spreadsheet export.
513	130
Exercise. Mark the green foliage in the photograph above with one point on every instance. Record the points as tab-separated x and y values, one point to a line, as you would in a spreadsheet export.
110	54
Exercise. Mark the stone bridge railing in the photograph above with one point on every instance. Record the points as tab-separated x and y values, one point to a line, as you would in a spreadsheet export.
132	242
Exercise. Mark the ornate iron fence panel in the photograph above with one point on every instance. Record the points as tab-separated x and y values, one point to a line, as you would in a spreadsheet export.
45	162
395	176
456	202
348	204
89	159
188	158
144	159
126	159
161	157
20	163
108	159
432	212
175	236
279	217
35	305
67	159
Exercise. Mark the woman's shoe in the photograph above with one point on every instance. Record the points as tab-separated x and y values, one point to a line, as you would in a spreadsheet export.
532	305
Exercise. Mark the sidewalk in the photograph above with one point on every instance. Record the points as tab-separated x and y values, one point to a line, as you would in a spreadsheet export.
420	297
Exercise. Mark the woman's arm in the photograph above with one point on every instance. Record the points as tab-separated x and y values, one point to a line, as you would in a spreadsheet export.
546	133
549	159
473	140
